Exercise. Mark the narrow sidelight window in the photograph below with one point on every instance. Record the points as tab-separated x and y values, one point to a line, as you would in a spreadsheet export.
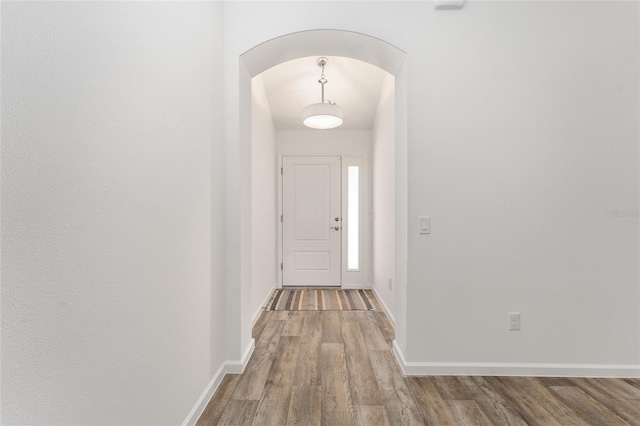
353	218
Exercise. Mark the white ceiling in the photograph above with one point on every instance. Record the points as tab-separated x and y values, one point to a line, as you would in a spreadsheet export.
353	85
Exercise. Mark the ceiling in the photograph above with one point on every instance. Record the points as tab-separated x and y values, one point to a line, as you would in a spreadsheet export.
353	85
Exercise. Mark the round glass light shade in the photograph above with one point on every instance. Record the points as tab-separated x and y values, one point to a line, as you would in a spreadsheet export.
322	116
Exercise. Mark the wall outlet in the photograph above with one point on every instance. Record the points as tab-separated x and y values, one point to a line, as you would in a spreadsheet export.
514	320
390	283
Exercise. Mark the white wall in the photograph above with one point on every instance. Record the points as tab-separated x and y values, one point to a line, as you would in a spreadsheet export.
523	139
523	129
111	221
264	168
383	173
321	142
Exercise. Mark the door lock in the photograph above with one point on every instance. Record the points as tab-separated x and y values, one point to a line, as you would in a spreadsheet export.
337	219
337	228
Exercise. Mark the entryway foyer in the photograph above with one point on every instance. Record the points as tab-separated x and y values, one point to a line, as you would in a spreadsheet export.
337	368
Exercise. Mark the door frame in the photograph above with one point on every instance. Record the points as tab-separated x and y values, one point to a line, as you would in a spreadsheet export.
348	279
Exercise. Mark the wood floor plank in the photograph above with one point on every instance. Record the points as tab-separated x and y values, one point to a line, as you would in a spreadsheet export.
258	327
369	415
252	382
279	315
626	409
213	411
336	398
434	410
308	367
293	324
305	406
468	413
362	380
633	382
373	336
546	398
238	413
586	407
272	329
555	381
451	389
622	387
385	326
494	406
350	316
331	330
274	404
398	403
528	408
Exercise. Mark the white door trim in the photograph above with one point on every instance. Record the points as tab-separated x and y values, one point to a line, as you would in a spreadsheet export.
349	279
359	278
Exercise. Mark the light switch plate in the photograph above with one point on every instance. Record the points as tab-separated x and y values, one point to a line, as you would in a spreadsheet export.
424	224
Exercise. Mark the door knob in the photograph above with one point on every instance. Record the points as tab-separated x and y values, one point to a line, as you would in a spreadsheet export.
337	228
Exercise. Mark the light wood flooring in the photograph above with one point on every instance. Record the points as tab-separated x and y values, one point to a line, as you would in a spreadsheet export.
337	368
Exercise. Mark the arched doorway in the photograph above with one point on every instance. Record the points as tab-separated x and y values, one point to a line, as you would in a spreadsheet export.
262	57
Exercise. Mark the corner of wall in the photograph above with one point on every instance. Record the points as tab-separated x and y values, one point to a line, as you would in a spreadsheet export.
259	311
228	367
385	308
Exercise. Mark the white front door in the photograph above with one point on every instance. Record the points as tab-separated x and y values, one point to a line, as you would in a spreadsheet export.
311	223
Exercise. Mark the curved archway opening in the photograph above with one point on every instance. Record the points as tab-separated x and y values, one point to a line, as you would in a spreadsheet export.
321	42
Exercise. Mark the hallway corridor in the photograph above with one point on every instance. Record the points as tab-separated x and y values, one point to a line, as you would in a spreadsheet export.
337	368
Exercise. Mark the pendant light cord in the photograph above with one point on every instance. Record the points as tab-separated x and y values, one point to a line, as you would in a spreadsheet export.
322	81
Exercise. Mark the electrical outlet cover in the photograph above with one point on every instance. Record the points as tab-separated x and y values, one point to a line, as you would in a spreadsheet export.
514	320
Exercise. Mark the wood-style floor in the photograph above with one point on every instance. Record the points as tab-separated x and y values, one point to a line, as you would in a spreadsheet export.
337	368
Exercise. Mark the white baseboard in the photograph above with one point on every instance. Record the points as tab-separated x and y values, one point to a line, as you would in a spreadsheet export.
256	315
353	286
237	367
385	308
204	399
227	367
513	369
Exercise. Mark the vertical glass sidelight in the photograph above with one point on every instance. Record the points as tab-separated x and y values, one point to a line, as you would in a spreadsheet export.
353	217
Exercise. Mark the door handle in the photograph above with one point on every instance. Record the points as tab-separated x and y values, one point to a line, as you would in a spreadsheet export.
337	228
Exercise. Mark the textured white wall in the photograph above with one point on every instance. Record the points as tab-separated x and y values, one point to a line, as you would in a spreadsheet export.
264	179
383	171
110	300
523	129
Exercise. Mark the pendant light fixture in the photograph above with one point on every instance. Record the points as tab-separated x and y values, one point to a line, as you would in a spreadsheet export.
324	115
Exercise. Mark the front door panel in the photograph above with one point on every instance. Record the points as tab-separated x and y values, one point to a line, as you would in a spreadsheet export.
311	234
